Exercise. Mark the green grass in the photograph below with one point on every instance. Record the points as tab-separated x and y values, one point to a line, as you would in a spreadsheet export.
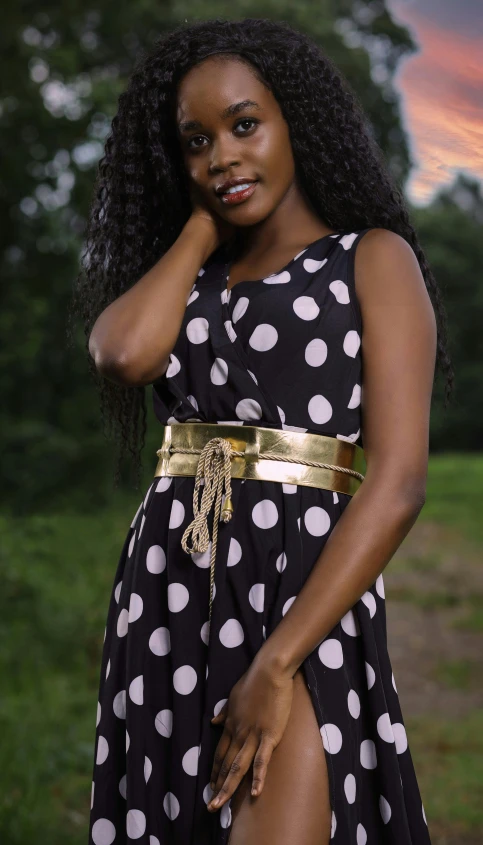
454	493
57	571
448	758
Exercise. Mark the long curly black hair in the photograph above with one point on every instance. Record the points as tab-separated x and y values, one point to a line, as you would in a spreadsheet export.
141	199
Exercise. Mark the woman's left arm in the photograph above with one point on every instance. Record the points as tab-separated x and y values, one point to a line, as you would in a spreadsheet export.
398	360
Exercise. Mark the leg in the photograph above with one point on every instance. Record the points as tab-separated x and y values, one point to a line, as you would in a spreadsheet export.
293	807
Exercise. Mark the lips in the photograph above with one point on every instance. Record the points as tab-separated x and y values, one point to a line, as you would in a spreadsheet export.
232	183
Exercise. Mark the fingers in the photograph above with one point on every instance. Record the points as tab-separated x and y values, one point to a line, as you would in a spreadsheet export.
236	764
260	764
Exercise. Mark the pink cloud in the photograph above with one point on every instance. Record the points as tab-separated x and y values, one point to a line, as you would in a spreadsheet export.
442	88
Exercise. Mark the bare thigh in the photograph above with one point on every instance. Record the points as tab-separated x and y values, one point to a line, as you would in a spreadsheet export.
293	807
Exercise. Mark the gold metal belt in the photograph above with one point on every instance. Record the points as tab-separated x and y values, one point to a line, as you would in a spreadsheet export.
216	453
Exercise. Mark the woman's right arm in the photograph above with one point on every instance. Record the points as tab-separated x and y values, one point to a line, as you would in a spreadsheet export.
132	338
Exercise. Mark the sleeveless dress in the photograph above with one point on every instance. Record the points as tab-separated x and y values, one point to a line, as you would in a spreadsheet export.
282	352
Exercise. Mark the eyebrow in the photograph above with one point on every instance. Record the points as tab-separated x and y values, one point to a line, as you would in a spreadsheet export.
235	108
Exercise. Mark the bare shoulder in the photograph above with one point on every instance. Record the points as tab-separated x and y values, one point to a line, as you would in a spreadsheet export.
386	270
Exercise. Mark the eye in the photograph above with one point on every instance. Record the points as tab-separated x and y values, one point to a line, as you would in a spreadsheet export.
237	124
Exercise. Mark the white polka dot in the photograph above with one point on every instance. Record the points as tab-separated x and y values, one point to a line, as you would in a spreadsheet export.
361	835
128	742
347	240
335	498
289	489
394	682
370	675
385	809
160	641
316	352
98	718
368	754
350	624
256	597
253	376
369	602
164	482
331	738
219	372
265	514
239	308
173	367
92	794
148	768
119	704
351	343
350	788
135	607
380	586
155	560
147	495
424	814
178	597
355	399
153	840
193	402
281	562
340	291
117	591
263	338
171	805
202	559
131	545
142	525
205	636
133	523
400	737
225	815
354	704
102	750
320	409
190	760
316	521
351	438
103	832
234	552
311	265
136	690
184	679
218	706
288	604
176	516
164	722
230	331
331	654
333	825
197	330
384	728
135	824
278	278
306	307
231	633
248	409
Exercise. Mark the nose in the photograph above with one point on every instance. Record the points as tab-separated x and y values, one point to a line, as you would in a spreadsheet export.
224	154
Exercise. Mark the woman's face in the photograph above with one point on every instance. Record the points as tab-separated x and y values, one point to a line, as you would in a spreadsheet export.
230	125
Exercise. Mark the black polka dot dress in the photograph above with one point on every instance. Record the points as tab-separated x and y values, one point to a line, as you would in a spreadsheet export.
282	352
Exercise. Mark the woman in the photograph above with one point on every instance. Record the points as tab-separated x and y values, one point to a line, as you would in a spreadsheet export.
248	255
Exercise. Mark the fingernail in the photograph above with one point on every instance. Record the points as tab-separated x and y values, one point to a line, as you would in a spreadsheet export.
254	790
215	802
212	784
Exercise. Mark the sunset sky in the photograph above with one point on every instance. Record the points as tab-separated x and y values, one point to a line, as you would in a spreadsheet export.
442	91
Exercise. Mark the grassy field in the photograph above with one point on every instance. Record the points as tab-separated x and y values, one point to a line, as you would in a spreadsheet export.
57	572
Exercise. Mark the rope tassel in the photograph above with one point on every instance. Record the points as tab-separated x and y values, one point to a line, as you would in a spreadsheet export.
214	466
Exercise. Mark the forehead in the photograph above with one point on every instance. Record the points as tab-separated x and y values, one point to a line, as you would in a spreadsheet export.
211	87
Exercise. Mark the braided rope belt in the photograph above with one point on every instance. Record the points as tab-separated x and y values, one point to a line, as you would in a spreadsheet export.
215	468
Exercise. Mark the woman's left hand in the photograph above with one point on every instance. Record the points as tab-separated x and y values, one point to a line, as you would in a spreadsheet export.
255	716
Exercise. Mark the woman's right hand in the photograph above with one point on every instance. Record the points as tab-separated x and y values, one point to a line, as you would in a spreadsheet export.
221	229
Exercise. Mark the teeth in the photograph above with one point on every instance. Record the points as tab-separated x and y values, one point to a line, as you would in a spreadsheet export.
237	188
